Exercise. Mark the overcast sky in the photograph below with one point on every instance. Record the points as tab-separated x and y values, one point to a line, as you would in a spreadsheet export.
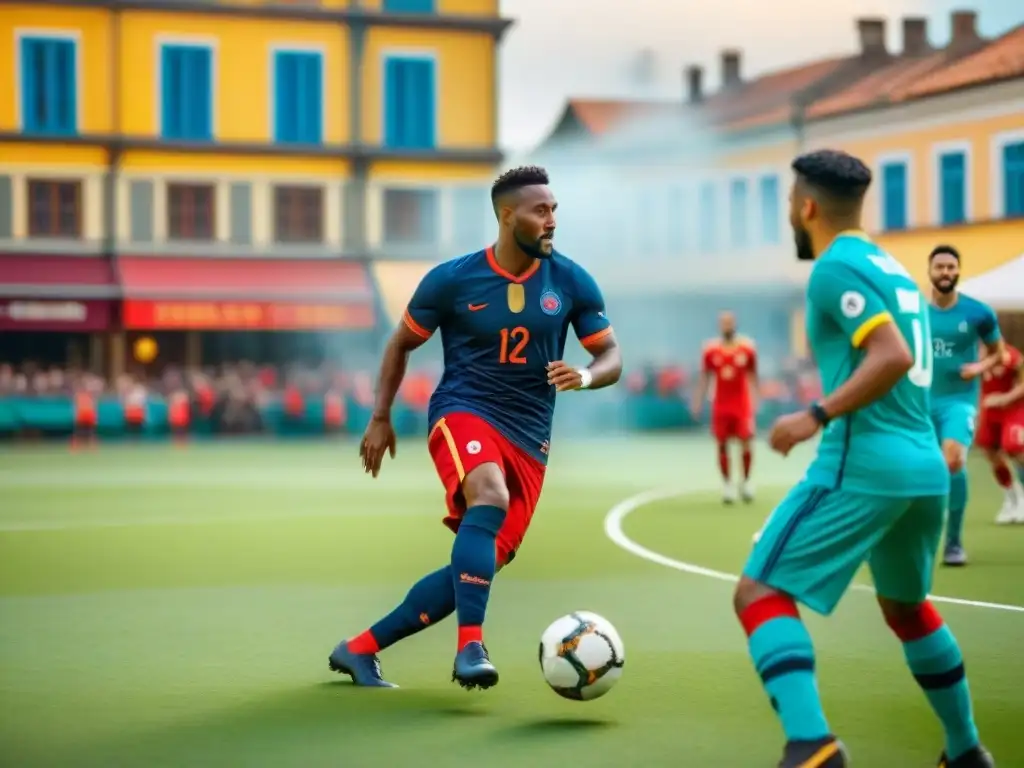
563	48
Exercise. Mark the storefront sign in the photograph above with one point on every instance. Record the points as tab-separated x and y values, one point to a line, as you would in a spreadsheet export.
72	316
240	316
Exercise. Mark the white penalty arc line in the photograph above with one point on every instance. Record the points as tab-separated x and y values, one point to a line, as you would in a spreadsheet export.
613	530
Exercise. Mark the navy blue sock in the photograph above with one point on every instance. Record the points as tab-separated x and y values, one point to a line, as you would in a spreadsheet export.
474	562
430	600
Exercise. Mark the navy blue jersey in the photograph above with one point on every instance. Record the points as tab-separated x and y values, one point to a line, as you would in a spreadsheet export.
499	332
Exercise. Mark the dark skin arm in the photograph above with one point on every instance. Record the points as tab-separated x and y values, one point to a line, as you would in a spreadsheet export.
606	367
380	435
887	359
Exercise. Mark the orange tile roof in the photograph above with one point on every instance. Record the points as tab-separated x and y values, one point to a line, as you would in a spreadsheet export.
600	115
1002	59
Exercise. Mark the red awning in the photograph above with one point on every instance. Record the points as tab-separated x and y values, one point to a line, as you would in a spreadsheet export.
45	276
327	280
239	294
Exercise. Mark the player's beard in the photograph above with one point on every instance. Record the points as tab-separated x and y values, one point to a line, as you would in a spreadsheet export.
534	248
946	286
804	248
728	336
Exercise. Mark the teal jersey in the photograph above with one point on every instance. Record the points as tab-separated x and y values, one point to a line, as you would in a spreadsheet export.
956	333
888	448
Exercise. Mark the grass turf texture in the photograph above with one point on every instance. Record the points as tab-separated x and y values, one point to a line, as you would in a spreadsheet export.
161	606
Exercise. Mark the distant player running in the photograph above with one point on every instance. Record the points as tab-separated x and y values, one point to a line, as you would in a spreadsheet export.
959	323
731	362
504	314
876	491
1001	431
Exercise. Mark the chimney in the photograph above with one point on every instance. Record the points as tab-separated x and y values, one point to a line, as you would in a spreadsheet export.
915	36
730	68
965	29
695	83
872	38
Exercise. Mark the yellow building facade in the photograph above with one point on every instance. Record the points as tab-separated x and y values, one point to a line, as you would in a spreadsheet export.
250	128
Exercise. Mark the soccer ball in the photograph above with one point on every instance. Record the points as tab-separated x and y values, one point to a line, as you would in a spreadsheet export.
581	656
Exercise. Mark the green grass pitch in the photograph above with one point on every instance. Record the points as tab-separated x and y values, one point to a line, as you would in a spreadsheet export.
175	607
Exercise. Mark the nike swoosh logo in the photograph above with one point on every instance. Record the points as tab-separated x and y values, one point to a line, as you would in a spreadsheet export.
476	307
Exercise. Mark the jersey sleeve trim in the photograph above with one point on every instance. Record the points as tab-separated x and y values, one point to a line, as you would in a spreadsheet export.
593	338
449	439
868	326
415	327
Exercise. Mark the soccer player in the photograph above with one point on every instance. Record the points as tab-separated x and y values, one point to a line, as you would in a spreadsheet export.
731	361
504	313
958	324
1001	431
876	491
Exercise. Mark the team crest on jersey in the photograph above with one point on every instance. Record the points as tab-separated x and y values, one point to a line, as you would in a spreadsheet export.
550	304
741	359
963	326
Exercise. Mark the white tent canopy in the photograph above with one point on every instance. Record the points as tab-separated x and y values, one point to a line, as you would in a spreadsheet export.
1000	288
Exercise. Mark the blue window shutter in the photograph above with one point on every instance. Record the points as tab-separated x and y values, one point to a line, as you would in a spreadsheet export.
409	6
409	113
280	89
392	102
738	212
894	193
314	91
952	167
30	85
170	109
202	125
65	96
1013	179
428	119
770	209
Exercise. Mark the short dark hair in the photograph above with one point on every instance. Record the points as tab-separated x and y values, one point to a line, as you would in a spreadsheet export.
837	174
944	250
515	179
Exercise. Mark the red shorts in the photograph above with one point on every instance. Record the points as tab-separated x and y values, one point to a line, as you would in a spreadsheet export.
1002	431
728	426
461	442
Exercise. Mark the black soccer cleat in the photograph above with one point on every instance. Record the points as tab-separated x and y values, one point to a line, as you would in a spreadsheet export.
978	757
820	753
473	668
363	668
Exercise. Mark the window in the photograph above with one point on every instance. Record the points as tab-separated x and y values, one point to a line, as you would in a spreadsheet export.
49	98
738	212
677	213
54	208
952	187
190	211
298	214
409	103
186	88
770	209
473	217
298	97
1013	179
410	216
708	222
409	6
894	196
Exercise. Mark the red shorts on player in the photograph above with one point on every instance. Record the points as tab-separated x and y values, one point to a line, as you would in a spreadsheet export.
1002	431
732	426
461	442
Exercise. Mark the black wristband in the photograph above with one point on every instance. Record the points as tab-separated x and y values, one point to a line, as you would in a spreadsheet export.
819	414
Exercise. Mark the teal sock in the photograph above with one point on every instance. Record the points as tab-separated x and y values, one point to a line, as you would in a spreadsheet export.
783	655
938	667
957	505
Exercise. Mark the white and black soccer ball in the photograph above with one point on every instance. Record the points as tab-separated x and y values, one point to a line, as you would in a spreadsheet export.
581	656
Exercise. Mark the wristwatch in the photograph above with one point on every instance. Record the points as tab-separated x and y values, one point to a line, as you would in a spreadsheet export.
586	378
817	410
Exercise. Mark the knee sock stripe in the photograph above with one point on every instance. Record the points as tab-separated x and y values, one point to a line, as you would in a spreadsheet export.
764	610
917	625
939	680
788	667
807	508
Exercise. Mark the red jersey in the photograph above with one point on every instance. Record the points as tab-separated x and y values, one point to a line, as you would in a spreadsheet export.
1002	378
731	365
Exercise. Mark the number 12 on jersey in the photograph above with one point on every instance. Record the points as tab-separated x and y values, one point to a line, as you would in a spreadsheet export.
513	342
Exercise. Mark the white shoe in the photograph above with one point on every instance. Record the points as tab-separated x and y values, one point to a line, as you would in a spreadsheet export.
1010	511
747	491
729	493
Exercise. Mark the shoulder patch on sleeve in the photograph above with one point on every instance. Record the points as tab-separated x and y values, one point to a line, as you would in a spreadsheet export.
852	304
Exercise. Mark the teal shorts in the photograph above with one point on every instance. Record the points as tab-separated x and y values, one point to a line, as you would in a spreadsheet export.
816	538
954	420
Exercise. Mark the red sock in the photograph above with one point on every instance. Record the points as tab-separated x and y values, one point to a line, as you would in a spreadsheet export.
723	461
364	643
1003	476
914	625
469	635
748	459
